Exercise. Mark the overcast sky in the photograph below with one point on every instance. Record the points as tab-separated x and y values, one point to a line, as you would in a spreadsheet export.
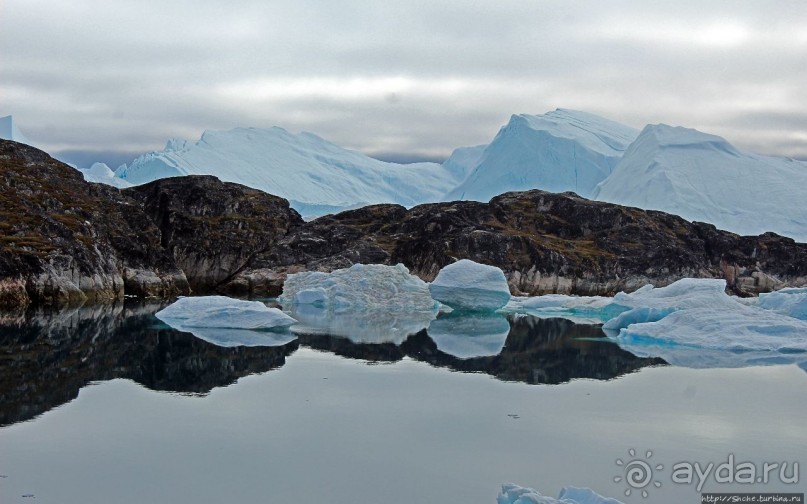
417	78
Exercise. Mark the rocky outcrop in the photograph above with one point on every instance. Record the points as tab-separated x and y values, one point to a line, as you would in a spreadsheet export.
214	229
64	241
544	243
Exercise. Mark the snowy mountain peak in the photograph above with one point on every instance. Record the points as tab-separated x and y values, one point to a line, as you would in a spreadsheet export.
562	150
10	131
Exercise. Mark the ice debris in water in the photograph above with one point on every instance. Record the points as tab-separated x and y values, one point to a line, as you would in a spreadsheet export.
362	286
367	303
694	323
514	494
468	285
578	309
228	322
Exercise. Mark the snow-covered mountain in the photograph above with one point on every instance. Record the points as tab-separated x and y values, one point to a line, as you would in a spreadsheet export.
314	174
562	150
10	131
702	177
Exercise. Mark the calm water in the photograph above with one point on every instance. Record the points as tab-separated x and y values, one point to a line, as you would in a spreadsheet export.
107	405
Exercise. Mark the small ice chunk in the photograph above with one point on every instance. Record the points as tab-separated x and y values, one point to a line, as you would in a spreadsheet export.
468	285
257	316
514	494
466	335
225	321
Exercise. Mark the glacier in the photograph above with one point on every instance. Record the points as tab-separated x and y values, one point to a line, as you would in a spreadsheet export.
228	322
562	150
702	177
468	285
315	175
514	494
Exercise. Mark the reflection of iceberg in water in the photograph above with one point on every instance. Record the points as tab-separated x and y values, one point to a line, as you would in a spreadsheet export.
225	337
467	335
358	325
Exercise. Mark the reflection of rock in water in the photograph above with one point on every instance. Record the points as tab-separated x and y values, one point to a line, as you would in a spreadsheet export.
547	351
47	357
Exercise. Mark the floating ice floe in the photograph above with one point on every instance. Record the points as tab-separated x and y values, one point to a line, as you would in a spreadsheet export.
467	335
694	323
792	302
229	322
514	494
367	303
468	285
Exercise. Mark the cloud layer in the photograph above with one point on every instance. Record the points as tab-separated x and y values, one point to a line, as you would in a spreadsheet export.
417	78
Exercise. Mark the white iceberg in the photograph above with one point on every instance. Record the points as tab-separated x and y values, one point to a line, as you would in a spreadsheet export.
693	323
315	175
229	322
467	335
101	173
362	286
791	301
562	150
514	494
702	177
367	303
468	285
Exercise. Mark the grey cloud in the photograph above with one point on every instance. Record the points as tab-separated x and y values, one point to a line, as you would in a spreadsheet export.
126	75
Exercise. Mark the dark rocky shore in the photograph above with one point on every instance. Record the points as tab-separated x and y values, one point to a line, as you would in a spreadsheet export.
64	241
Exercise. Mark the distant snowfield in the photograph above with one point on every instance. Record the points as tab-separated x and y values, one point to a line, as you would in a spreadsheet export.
698	176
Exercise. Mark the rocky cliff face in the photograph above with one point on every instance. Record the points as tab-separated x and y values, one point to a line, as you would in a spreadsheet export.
544	243
63	240
213	230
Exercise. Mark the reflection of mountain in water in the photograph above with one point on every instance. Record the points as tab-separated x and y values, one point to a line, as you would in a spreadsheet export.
46	358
